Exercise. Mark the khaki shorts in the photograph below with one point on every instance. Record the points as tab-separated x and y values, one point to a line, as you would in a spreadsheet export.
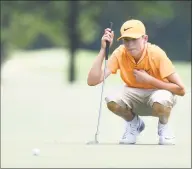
140	101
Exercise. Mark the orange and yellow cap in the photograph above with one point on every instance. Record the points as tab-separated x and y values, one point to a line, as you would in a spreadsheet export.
132	29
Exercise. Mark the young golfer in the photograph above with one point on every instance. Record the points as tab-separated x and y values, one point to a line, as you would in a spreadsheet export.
151	82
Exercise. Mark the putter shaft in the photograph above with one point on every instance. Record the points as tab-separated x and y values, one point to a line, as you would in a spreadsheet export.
100	108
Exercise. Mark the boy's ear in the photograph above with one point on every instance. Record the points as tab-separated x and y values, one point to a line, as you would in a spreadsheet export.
146	37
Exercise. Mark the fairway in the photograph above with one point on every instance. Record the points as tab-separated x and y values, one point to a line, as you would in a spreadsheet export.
39	109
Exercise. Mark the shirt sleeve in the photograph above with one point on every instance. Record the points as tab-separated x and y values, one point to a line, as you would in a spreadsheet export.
113	64
166	67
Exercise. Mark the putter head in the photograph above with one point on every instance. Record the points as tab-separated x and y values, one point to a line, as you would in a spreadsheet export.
92	142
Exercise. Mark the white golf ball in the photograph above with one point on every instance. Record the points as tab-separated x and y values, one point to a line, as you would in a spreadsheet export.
36	151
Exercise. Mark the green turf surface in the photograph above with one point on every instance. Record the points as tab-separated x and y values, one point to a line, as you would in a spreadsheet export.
39	109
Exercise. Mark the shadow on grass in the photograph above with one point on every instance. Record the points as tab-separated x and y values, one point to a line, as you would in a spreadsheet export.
101	143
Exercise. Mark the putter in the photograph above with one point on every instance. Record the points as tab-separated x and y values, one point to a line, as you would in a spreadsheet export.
100	108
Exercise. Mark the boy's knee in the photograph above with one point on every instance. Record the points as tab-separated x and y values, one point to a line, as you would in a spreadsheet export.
119	110
159	109
113	106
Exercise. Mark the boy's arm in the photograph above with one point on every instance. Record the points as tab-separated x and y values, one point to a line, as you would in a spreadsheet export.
96	72
167	71
175	79
174	85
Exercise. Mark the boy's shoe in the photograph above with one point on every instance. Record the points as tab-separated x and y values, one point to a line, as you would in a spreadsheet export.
132	130
165	135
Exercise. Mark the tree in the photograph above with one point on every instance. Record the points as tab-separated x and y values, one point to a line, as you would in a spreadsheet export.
73	36
53	23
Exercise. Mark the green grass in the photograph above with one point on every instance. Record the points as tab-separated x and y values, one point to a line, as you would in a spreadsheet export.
39	109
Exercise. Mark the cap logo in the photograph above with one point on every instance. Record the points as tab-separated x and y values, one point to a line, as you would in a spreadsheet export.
127	28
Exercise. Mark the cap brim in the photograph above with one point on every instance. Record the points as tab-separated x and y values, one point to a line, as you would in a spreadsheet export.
130	36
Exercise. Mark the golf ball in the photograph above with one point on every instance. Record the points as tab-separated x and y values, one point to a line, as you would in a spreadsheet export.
36	151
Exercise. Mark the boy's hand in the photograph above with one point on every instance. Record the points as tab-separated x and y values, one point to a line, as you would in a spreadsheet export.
107	36
142	76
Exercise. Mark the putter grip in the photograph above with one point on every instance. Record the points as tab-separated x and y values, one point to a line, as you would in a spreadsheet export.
107	46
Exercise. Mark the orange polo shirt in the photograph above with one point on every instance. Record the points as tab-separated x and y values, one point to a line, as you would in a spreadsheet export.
154	61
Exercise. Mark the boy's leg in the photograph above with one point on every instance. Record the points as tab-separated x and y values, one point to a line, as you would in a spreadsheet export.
123	106
162	102
131	101
120	109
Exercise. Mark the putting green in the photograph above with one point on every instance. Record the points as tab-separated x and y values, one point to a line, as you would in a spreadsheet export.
39	110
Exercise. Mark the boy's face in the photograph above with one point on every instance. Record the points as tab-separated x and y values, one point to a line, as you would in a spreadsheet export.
135	46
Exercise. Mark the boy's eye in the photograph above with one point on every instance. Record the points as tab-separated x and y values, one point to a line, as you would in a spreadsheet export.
129	39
